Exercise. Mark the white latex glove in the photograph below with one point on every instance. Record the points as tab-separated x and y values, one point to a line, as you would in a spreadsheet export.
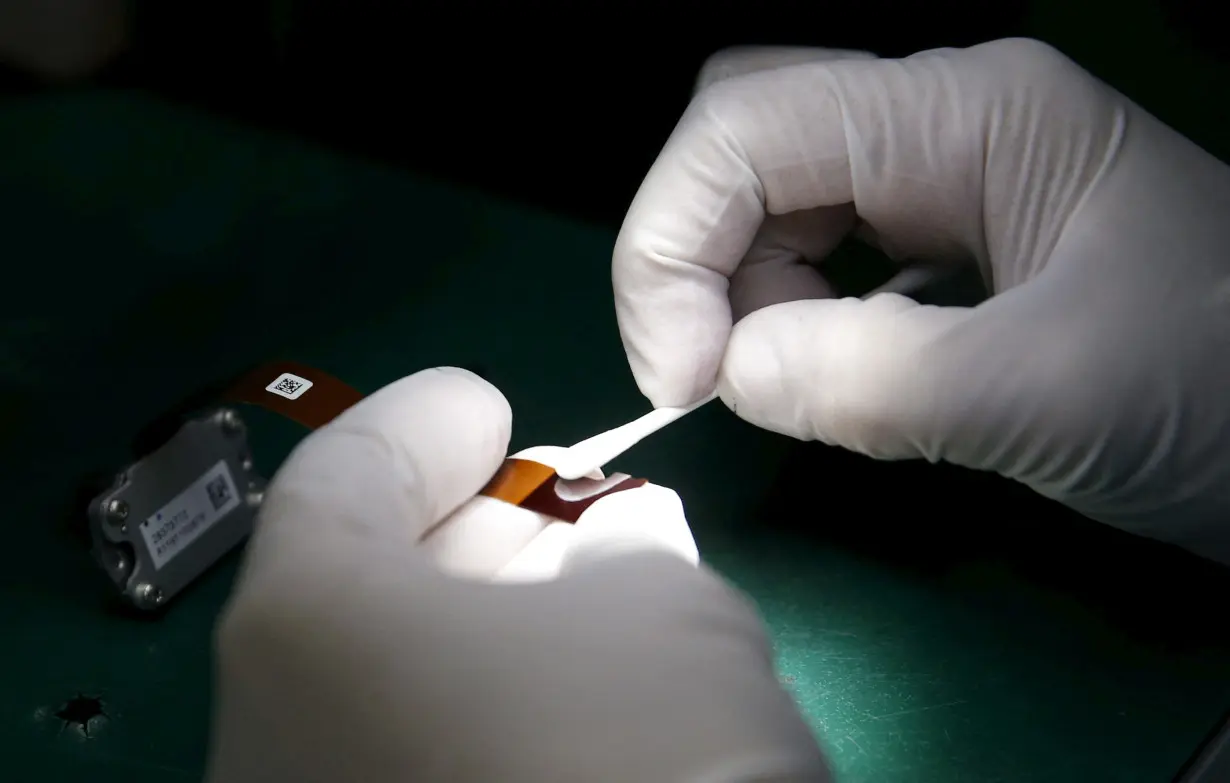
1098	373
346	654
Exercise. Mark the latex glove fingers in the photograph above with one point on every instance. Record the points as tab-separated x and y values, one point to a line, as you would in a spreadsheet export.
678	666
374	458
635	667
979	153
346	654
781	264
488	539
1083	404
367	487
481	537
890	378
1098	227
646	519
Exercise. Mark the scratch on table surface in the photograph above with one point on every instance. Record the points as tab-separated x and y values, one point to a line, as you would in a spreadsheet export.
855	743
956	703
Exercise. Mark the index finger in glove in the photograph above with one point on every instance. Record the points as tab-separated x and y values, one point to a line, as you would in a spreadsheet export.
971	154
371	482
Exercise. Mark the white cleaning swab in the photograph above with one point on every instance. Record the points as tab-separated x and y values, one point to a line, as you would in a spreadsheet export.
592	453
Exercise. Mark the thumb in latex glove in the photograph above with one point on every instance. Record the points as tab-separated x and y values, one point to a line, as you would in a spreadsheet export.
1098	373
347	653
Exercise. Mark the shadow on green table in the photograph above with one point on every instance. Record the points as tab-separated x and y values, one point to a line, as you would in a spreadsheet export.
933	631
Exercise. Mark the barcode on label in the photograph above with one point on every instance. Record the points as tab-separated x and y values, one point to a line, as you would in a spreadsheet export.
289	385
219	492
172	528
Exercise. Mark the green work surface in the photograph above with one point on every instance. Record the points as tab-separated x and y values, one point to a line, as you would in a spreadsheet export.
148	250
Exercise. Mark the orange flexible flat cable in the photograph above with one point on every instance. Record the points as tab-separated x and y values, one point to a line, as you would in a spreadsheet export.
314	398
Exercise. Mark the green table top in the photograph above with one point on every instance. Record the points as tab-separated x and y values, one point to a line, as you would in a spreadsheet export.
148	250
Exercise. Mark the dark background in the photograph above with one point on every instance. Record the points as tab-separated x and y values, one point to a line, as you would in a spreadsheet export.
561	105
558	104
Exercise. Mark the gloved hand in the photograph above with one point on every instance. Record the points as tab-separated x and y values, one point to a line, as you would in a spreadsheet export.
1098	373
347	654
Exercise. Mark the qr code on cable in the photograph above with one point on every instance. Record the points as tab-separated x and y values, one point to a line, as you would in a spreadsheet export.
219	490
287	386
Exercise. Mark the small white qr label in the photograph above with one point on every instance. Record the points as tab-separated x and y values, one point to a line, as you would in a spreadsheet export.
289	385
172	529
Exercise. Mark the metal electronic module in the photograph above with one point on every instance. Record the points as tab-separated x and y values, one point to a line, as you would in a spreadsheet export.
172	514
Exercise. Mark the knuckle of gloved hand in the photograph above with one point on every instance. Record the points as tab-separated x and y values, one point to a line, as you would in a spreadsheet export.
720	66
1035	65
1027	53
738	61
741	60
719	105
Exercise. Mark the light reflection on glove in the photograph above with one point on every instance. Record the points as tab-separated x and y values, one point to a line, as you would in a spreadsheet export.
1098	373
347	653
